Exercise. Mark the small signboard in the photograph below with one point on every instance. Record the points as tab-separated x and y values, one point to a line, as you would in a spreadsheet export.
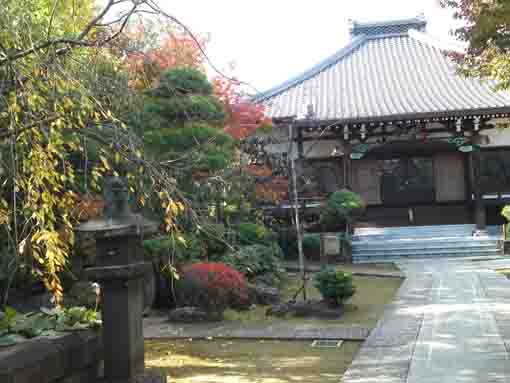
466	148
357	156
463	144
359	151
331	244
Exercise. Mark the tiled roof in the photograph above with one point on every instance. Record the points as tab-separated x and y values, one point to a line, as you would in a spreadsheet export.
380	76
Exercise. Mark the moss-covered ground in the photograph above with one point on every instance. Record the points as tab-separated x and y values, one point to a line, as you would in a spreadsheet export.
248	361
215	360
363	309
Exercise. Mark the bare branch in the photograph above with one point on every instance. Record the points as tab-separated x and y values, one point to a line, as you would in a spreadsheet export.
9	133
160	11
79	40
96	19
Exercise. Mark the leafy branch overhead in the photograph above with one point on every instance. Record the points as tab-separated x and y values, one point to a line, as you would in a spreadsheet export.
72	112
486	30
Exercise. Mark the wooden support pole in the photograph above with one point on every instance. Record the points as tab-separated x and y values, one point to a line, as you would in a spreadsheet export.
295	204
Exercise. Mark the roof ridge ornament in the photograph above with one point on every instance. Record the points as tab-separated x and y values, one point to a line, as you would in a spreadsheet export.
390	27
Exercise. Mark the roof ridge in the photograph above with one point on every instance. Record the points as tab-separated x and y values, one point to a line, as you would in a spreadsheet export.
311	72
411	20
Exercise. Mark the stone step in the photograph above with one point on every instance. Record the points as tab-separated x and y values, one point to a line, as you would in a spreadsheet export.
400	244
422	231
423	237
393	243
376	257
418	231
435	249
425	251
405	229
383	259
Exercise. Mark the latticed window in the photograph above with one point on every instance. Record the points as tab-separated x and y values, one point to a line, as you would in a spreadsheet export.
407	180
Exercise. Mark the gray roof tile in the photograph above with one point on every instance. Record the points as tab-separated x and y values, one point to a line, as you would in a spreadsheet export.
380	76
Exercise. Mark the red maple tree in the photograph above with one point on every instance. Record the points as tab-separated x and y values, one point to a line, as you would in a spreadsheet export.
148	52
243	116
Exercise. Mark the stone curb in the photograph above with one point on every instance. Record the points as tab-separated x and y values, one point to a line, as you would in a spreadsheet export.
352	333
389	274
74	355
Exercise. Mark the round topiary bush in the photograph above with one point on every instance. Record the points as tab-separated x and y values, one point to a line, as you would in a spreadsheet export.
335	286
211	287
342	207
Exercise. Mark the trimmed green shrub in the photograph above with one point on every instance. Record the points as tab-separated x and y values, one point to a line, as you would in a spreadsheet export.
260	262
253	233
335	286
216	147
505	212
184	80
342	207
197	107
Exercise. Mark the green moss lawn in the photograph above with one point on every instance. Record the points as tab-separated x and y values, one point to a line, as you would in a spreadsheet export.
364	308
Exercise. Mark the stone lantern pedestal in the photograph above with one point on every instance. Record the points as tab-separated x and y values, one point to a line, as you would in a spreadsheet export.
119	269
330	248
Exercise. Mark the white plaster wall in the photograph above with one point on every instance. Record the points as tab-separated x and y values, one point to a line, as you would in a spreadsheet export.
496	137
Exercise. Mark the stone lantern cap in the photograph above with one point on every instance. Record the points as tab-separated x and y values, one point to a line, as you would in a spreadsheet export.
118	219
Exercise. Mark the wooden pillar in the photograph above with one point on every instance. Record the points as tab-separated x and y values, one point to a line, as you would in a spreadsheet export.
347	166
299	139
480	216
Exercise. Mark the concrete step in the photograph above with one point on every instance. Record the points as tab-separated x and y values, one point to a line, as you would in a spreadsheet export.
457	254
412	229
424	252
422	244
421	232
435	250
393	243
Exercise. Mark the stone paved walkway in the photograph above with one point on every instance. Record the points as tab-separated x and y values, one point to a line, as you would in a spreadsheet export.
159	327
450	323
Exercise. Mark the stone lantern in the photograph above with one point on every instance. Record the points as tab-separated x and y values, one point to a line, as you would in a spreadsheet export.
120	268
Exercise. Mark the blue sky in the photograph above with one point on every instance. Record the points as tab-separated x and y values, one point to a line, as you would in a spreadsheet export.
272	40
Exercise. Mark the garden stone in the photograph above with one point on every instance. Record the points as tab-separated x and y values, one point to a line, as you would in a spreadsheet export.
308	309
279	310
264	295
189	314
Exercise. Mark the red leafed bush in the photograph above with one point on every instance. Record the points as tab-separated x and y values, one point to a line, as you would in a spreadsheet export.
212	287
